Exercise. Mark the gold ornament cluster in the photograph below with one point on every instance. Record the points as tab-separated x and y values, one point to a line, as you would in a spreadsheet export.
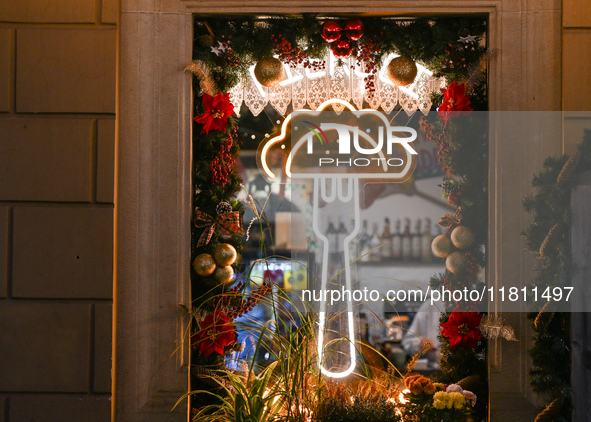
442	246
219	263
401	70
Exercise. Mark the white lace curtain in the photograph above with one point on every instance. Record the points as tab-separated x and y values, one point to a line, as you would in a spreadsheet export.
301	87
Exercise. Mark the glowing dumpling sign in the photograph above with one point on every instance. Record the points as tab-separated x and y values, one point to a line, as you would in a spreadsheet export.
336	151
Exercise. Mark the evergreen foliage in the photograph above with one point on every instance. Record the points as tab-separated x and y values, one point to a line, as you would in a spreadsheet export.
549	207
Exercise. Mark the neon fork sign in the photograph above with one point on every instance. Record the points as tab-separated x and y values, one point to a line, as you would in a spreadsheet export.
337	151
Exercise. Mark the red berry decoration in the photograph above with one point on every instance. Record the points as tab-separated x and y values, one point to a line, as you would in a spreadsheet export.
221	165
341	48
331	31
353	29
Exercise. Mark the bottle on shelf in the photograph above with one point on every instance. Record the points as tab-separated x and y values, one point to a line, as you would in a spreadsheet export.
342	232
426	239
416	241
312	241
397	242
374	244
406	241
333	237
386	249
353	247
363	244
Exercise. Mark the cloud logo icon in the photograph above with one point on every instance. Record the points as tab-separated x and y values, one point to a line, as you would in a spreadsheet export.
356	143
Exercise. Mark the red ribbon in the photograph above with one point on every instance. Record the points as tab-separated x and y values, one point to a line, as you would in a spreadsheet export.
227	224
451	221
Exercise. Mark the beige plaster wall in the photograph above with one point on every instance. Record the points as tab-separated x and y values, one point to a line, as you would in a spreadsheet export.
576	74
57	127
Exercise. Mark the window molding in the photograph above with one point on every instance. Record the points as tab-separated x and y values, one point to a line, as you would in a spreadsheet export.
153	175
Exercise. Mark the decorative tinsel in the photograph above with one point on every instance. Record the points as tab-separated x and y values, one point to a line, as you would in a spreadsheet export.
544	316
202	71
476	74
207	376
493	327
551	411
569	168
551	239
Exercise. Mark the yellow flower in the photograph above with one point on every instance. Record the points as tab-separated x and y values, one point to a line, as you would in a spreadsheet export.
441	400
457	399
440	395
438	404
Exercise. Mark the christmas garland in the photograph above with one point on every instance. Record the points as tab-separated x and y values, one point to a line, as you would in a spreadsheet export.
224	50
548	238
450	47
464	158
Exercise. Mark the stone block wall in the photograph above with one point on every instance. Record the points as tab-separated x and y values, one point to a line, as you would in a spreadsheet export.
57	148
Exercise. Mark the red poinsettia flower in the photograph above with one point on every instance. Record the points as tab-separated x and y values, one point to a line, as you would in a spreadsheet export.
217	111
455	101
215	332
462	328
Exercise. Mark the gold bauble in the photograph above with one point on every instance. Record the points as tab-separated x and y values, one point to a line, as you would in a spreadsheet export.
441	246
462	237
224	274
269	71
224	254
204	264
456	262
402	71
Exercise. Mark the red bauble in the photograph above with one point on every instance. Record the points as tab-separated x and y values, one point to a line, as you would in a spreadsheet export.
342	48
353	29
331	31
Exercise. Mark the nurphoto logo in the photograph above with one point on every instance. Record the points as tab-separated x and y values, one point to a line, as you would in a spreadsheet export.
357	143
